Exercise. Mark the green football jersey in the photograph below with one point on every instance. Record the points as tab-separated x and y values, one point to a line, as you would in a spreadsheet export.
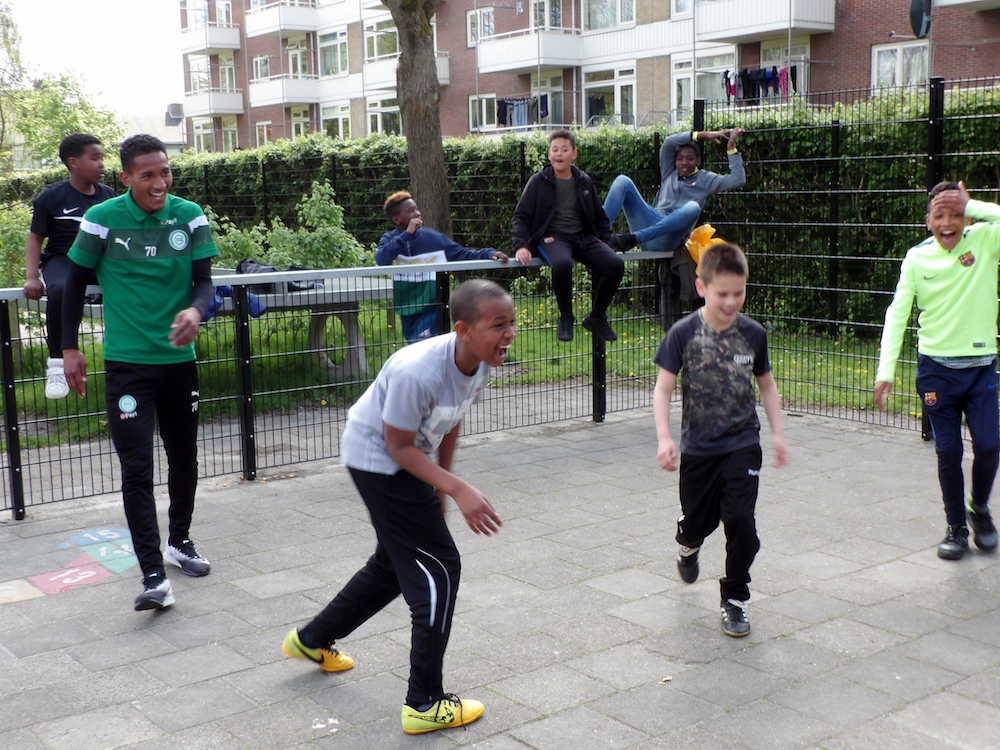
143	264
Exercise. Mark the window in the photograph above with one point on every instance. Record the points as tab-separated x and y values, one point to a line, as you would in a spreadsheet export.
383	116
336	120
197	14
381	40
333	53
778	54
549	90
609	95
200	73
223	13
264	133
899	65
547	14
708	85
298	58
479	24
261	68
300	122
230	135
258	4
227	73
682	7
482	112
603	14
204	135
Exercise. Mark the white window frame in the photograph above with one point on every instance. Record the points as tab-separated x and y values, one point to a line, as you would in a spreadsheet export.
224	13
623	11
336	41
203	129
227	72
712	63
622	79
676	11
199	73
297	51
339	114
776	53
378	109
481	18
197	15
230	134
265	128
899	49
376	30
300	121
482	113
551	84
261	68
550	12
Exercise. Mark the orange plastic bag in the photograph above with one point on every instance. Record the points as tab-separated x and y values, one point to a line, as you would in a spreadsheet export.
699	241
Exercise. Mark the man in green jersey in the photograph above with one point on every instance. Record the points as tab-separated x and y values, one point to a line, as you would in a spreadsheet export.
953	278
152	254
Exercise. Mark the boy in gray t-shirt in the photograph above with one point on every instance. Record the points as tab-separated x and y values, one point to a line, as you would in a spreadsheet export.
414	408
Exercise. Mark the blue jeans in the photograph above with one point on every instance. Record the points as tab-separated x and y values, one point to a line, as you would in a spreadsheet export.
422	325
654	230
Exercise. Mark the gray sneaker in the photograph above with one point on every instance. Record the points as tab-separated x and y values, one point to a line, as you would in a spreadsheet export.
734	618
156	594
186	557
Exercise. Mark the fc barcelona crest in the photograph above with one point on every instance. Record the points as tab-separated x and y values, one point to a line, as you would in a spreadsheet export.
967	259
930	398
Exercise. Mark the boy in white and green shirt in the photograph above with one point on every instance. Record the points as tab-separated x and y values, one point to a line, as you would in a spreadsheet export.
952	276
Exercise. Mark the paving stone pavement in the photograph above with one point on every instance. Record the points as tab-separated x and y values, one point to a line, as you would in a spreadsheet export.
572	625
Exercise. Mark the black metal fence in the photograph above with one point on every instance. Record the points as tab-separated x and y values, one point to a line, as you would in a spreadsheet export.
830	206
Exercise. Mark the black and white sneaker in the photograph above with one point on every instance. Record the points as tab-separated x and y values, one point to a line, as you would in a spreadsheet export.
955	543
186	557
687	563
734	618
156	594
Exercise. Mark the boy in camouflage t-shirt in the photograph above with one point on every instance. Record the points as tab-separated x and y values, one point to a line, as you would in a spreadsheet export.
720	352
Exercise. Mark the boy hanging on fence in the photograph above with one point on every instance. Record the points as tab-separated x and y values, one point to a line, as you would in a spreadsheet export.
58	211
152	254
684	189
953	278
718	353
413	244
412	410
560	218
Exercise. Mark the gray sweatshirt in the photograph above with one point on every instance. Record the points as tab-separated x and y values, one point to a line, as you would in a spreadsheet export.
675	191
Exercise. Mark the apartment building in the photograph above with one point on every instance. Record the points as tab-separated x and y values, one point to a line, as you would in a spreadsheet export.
260	70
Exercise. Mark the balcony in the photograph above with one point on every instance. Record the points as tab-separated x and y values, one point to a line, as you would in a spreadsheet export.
210	39
740	22
213	103
524	51
381	74
968	4
284	90
283	17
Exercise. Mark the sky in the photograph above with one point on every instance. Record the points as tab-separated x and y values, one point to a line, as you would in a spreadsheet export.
127	52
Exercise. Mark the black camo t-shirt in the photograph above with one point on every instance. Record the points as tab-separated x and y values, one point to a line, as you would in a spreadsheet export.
716	368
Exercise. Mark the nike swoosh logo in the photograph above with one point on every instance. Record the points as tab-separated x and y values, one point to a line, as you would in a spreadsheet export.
928	278
71	210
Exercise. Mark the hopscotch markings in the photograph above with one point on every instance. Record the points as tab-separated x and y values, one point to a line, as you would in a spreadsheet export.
18	591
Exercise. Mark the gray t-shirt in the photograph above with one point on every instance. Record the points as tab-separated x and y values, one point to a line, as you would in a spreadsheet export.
419	389
566	218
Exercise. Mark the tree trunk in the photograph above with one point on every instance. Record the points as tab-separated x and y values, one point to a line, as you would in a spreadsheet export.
419	109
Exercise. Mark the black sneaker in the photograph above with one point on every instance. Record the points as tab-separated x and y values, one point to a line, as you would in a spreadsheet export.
186	557
157	593
983	531
954	544
734	618
687	563
600	327
565	330
622	242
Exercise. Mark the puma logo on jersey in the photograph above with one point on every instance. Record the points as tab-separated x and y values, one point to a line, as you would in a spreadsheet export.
120	241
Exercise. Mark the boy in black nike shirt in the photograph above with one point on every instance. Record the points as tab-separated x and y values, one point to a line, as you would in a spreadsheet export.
58	211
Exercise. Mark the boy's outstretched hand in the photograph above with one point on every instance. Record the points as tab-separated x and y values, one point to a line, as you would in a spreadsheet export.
478	512
734	136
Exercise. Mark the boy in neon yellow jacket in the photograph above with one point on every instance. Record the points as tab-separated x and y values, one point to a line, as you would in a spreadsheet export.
953	278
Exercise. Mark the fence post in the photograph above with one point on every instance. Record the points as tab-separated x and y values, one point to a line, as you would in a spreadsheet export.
935	173
204	176
522	159
600	387
12	431
244	383
833	270
443	280
263	188
699	115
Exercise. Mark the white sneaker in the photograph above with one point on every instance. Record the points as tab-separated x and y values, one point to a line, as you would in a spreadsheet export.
55	384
